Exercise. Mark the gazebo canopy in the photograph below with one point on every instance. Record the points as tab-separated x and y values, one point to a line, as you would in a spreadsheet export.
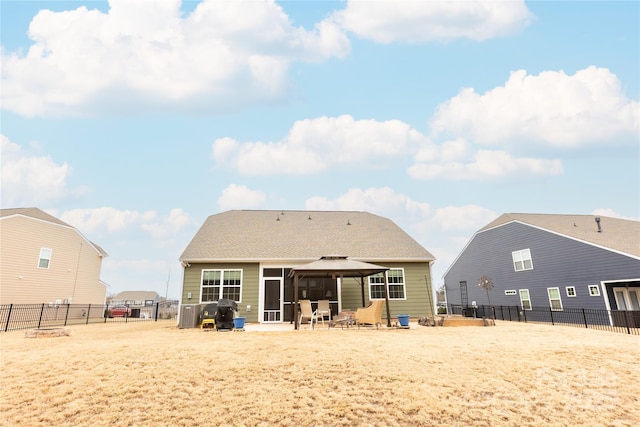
338	266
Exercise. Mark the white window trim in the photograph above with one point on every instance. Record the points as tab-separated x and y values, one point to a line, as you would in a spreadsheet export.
519	256
550	299
41	257
597	288
574	291
222	271
528	299
404	286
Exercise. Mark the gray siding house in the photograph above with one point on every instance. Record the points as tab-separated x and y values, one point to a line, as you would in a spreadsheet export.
552	262
247	256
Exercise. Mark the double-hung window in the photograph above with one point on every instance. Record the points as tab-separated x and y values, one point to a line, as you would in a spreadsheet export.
555	302
45	258
217	284
525	299
522	260
395	282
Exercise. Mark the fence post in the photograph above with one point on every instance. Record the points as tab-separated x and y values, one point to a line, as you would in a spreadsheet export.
157	310
66	316
626	321
524	313
551	313
40	319
6	327
88	314
106	313
584	317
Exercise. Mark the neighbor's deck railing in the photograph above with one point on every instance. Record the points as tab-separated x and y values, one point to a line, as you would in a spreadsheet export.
607	320
27	316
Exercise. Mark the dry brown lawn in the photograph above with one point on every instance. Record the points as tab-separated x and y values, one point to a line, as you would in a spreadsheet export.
153	374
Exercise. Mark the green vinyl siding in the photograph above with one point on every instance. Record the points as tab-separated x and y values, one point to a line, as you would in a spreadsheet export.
419	299
250	285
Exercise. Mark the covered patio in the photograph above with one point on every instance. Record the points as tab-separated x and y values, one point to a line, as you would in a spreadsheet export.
335	266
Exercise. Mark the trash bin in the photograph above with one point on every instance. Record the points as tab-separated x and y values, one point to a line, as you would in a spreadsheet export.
238	322
403	319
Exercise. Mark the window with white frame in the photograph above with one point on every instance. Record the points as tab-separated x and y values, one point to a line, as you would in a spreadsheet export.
45	258
594	290
571	291
525	300
522	260
217	284
395	281
555	302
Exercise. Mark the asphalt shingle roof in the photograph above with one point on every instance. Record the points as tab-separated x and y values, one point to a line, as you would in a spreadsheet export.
621	235
245	235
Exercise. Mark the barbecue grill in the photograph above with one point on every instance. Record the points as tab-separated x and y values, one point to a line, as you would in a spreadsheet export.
224	314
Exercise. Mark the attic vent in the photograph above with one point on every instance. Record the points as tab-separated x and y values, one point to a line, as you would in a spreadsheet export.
598	223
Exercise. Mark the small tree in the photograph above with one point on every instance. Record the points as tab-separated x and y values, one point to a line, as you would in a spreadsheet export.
487	284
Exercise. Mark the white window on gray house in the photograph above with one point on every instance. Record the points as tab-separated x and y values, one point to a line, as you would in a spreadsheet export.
522	260
525	300
45	258
571	291
555	302
395	280
594	290
217	284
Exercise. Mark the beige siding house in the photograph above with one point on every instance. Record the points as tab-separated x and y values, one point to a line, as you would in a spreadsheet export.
247	256
45	260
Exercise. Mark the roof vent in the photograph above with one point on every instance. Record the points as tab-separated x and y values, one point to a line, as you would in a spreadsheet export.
598	222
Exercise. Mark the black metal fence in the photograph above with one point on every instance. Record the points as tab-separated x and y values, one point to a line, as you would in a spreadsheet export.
621	321
27	316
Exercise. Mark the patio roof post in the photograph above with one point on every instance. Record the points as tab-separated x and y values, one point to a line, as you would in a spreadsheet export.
362	287
386	299
294	313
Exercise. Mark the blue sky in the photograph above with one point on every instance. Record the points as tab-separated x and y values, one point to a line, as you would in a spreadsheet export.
135	120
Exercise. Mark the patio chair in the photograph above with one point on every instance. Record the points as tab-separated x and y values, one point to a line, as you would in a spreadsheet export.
371	315
324	309
307	313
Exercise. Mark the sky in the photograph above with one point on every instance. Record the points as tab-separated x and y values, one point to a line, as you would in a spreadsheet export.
133	121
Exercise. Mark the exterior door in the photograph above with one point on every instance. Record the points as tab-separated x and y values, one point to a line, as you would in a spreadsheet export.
627	300
272	300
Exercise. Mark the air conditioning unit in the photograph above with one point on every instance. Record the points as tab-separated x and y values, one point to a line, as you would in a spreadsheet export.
189	316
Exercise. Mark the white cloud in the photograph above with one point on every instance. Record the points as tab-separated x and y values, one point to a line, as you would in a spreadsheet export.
459	162
223	55
462	218
106	219
240	197
314	145
109	220
28	179
176	222
552	109
423	21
